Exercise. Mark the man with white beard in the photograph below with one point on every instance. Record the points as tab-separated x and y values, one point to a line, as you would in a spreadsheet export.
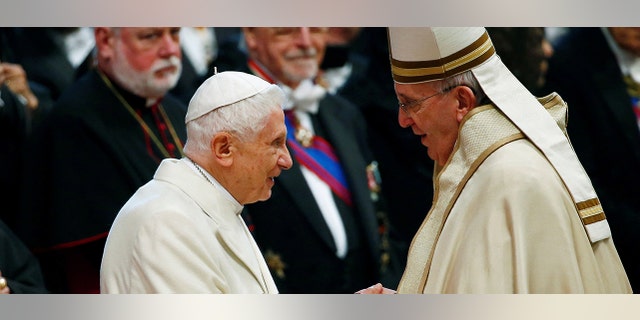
103	139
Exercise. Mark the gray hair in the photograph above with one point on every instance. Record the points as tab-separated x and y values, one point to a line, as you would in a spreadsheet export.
464	79
244	119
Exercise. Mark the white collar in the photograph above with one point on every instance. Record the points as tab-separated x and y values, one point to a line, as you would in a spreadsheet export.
304	97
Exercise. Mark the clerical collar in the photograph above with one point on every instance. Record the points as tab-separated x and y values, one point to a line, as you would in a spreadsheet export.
152	101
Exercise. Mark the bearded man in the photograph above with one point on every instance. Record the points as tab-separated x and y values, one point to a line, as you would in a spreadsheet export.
103	139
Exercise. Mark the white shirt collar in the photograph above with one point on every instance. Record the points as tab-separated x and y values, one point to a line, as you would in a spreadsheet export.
304	97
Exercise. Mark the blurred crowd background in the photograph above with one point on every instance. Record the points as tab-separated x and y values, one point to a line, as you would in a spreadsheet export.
66	173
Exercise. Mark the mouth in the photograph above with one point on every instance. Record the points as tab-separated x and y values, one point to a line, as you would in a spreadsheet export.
302	61
418	133
423	139
302	54
162	72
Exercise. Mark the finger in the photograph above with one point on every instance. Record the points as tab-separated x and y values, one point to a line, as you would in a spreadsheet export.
388	291
374	289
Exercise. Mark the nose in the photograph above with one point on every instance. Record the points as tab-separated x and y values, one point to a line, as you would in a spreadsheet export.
285	162
304	37
404	120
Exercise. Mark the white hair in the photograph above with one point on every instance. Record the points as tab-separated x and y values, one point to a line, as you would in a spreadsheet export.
463	79
244	119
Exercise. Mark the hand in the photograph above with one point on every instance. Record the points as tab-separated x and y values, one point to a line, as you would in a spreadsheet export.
376	289
15	78
4	288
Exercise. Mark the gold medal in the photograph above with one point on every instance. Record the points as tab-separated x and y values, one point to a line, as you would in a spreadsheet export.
304	136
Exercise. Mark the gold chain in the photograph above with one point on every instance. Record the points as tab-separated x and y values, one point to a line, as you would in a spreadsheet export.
143	124
200	170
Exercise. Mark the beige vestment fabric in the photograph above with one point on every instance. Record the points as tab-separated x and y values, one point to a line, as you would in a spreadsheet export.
180	234
503	221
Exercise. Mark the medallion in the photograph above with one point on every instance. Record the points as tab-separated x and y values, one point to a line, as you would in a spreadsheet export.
304	136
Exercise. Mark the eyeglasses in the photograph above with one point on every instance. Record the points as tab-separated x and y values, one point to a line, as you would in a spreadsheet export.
407	106
295	31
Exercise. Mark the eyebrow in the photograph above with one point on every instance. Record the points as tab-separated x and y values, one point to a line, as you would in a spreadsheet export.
403	96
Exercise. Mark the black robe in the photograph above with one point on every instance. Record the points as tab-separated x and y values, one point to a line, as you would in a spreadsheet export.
18	265
82	164
14	127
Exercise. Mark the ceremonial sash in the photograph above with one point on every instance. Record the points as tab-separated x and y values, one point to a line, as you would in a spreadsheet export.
633	88
320	158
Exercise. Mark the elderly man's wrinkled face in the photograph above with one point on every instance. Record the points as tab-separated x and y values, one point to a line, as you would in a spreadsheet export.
290	54
431	114
260	161
147	61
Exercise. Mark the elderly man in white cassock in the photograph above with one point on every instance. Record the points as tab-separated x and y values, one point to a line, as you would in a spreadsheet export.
513	209
182	232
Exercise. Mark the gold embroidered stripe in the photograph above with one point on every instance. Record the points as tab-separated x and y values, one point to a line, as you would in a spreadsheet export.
471	56
591	211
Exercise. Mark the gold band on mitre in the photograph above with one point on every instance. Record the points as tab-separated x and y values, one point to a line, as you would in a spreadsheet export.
460	61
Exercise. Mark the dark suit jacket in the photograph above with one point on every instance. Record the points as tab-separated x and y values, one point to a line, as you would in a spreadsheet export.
14	125
41	53
290	228
603	130
18	265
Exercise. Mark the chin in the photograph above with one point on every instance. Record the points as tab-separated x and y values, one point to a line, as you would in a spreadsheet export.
264	196
432	156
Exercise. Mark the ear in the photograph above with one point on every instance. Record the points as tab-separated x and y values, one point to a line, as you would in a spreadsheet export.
222	147
249	37
104	42
466	101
